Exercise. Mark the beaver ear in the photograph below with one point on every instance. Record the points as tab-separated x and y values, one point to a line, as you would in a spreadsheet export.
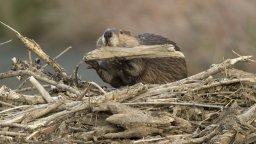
125	32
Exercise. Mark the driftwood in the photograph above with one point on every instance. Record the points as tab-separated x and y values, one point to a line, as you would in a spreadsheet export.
154	51
203	108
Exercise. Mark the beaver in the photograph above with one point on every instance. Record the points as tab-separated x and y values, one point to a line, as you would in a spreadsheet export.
122	72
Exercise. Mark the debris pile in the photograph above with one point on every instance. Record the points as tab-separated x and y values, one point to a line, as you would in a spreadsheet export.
215	106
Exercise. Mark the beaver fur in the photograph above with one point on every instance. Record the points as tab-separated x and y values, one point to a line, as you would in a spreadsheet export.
121	72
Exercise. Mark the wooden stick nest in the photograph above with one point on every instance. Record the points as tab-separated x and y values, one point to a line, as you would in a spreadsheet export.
217	105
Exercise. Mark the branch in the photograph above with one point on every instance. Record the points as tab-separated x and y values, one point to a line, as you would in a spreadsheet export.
41	89
33	46
211	71
39	77
154	51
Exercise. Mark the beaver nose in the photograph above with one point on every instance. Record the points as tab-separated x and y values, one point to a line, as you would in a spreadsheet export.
107	35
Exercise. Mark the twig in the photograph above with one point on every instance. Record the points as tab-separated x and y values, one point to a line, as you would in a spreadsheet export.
7	104
8	94
33	46
15	125
147	140
240	55
76	74
211	71
225	82
84	92
30	88
63	52
44	79
39	113
41	89
15	108
3	43
99	87
176	103
12	133
30	59
246	116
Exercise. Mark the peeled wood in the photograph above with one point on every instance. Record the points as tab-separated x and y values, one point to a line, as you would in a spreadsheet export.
154	51
41	89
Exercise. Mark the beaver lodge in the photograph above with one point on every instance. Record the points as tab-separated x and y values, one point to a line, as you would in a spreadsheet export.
217	105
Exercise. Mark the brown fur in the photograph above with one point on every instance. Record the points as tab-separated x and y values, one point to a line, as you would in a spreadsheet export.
121	72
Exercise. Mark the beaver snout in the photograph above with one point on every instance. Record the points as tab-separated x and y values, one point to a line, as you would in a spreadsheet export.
107	35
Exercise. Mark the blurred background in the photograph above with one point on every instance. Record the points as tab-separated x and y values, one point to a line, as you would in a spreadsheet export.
207	31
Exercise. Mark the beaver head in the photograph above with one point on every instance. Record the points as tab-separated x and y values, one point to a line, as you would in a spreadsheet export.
117	38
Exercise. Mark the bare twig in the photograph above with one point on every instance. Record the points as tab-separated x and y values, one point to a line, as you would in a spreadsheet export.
84	92
33	46
15	108
29	88
225	82
211	71
44	79
41	89
3	43
59	55
14	125
30	59
250	113
39	113
12	133
97	86
7	104
176	103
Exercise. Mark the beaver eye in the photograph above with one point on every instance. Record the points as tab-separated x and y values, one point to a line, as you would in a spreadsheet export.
125	32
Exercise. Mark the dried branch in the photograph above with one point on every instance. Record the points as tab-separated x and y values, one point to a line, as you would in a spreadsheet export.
176	103
3	43
59	55
12	133
39	77
5	103
33	46
211	71
41	89
154	51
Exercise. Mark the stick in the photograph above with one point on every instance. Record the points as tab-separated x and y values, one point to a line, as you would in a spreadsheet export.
249	114
211	71
177	103
224	82
3	43
154	51
29	88
39	113
12	133
41	89
15	125
63	52
7	104
39	77
33	46
97	86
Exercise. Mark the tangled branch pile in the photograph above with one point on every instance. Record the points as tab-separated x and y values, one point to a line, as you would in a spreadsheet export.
214	106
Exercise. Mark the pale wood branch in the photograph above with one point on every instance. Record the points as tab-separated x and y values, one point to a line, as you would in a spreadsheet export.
153	51
39	77
33	46
41	89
